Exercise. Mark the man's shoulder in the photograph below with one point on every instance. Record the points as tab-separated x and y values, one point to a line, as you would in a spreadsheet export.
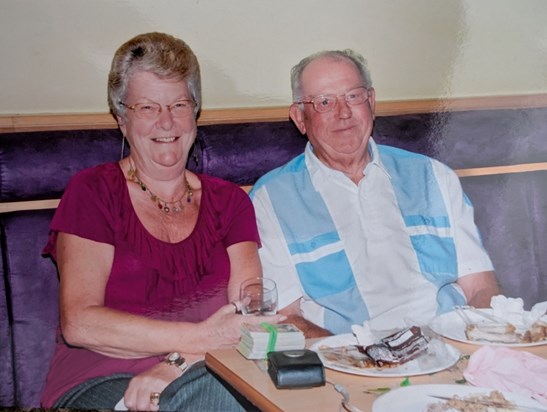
397	152
293	166
397	155
406	164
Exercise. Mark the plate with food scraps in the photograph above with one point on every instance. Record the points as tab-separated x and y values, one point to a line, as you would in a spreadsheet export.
423	398
471	326
341	353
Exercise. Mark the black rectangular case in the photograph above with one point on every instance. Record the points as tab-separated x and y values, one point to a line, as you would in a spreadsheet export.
296	369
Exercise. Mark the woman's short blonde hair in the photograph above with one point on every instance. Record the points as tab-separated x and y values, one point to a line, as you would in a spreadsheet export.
159	53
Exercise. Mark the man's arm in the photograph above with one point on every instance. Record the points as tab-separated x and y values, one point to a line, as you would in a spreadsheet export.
479	288
294	316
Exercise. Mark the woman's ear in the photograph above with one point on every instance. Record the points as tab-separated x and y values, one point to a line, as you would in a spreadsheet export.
121	124
297	115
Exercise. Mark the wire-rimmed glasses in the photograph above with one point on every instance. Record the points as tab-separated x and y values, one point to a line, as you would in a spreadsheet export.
327	102
152	111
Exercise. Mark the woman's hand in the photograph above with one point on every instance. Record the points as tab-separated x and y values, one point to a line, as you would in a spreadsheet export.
223	328
142	386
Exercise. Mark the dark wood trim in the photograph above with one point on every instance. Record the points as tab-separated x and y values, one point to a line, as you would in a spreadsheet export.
79	121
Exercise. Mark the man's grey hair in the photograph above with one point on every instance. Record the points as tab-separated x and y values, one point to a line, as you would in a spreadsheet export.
347	54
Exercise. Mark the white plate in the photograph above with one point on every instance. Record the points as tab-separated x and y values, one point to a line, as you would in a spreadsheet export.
415	398
439	356
451	325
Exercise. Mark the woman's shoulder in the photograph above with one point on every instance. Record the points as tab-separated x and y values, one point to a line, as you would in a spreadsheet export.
98	179
223	196
102	172
217	186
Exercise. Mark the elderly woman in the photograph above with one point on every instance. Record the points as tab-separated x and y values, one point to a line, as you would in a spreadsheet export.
149	254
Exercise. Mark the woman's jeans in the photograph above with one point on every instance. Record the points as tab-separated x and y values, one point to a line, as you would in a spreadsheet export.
195	390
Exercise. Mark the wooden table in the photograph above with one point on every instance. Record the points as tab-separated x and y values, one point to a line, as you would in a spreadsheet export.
254	383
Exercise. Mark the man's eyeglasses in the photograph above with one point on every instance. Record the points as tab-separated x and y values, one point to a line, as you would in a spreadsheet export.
151	111
327	102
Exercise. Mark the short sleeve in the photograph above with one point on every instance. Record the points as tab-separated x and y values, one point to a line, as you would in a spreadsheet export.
234	204
472	256
89	206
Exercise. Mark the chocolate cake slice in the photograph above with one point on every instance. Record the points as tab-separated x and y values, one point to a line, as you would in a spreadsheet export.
398	348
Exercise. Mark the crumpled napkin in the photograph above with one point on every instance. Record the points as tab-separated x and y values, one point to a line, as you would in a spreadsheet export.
363	333
512	310
510	370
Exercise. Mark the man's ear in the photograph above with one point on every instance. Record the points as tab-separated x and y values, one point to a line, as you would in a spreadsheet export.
372	101
297	116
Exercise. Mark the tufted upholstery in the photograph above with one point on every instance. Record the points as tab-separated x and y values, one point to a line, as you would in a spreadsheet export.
511	209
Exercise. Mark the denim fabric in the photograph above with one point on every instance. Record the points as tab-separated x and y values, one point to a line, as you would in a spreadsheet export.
196	390
99	393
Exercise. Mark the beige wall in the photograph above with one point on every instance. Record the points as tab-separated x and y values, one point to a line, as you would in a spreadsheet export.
55	54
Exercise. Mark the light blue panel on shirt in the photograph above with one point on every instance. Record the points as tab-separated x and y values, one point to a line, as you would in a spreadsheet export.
349	310
419	220
447	297
329	275
309	245
307	227
300	209
415	186
422	204
436	258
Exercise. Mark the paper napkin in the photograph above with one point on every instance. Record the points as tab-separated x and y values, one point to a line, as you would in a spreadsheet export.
508	370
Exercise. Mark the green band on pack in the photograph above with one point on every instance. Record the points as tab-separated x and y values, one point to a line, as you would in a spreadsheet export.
273	336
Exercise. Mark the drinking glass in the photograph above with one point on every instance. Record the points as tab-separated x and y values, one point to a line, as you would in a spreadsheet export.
258	296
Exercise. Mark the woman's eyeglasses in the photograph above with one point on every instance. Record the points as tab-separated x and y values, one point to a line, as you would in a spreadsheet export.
152	111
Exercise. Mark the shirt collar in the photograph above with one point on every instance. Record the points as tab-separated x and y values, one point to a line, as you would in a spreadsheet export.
375	161
321	173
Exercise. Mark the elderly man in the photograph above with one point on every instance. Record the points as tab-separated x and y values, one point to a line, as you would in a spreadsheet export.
354	231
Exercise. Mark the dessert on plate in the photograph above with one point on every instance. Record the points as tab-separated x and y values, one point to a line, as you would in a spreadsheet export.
506	322
391	351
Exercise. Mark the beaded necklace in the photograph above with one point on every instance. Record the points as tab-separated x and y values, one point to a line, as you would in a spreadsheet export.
163	205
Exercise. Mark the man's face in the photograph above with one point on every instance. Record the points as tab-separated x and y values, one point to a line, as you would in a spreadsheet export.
341	135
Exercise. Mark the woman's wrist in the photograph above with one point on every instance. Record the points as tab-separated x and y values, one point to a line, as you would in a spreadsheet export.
175	359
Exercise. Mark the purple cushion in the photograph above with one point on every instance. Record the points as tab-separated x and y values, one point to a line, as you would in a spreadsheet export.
38	165
6	356
470	139
511	212
32	285
241	153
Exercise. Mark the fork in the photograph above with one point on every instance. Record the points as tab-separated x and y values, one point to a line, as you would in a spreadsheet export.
460	310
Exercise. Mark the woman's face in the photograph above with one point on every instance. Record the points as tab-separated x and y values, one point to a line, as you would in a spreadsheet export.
165	141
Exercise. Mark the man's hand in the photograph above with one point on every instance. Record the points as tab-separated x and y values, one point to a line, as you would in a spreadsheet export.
294	316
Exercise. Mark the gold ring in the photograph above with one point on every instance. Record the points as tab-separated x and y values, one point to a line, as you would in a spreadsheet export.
238	310
154	398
